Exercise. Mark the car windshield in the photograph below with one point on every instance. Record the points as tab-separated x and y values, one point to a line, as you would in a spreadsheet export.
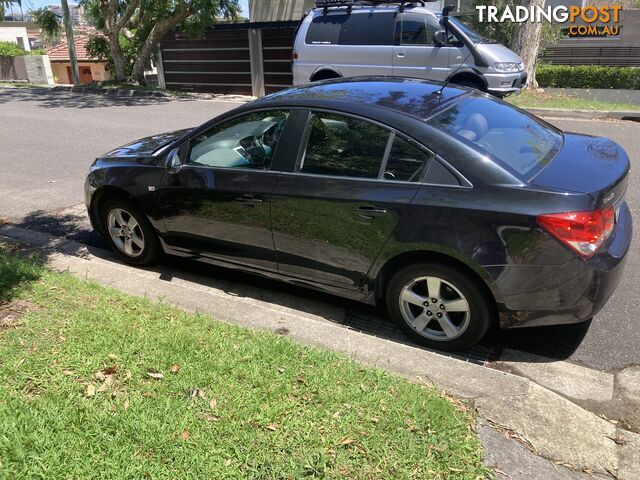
475	37
520	142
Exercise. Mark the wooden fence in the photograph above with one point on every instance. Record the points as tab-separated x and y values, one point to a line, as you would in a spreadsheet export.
249	58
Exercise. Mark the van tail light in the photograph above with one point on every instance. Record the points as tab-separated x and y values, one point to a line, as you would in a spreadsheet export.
583	232
294	56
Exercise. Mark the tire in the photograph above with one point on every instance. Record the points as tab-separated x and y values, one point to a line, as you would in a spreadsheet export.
138	244
465	322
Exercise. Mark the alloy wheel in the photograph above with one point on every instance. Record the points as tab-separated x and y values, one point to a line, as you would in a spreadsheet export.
434	308
125	232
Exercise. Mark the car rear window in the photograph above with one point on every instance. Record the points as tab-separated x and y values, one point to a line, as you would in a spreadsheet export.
520	142
354	29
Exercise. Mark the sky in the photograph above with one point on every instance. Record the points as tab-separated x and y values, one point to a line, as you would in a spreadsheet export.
35	4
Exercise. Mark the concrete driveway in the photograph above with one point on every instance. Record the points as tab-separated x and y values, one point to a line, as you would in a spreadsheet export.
48	139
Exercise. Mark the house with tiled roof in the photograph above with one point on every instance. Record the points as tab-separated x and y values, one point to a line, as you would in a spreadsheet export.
91	68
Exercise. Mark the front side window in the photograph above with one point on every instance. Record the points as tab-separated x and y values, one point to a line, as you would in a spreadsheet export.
517	140
418	30
246	142
343	146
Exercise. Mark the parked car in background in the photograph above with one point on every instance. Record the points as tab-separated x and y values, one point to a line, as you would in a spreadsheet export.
402	40
453	208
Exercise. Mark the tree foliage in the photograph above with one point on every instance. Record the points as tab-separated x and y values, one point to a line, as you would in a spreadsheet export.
49	22
143	23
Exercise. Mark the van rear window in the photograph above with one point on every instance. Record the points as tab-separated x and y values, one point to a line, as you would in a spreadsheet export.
352	29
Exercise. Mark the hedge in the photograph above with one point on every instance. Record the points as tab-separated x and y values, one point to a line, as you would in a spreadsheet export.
588	76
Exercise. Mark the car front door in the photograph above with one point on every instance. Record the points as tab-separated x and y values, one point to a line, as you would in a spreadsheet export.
352	182
216	201
416	53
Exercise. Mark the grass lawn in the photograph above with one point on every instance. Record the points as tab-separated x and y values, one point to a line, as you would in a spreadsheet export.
98	384
529	99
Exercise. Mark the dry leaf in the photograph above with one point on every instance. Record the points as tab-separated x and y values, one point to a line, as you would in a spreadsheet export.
209	417
126	405
336	415
271	427
91	390
185	434
111	356
281	370
112	370
175	368
618	439
347	441
68	372
148	394
228	462
213	404
155	375
101	377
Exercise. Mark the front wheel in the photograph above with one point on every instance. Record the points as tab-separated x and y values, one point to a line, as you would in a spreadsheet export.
438	306
129	233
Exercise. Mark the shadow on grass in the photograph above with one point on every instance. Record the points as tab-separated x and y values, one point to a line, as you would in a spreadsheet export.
551	343
17	270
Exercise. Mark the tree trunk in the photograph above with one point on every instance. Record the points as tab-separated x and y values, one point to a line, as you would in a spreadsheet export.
526	42
155	35
70	43
117	55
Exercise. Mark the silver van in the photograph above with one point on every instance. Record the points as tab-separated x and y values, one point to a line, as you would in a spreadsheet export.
350	38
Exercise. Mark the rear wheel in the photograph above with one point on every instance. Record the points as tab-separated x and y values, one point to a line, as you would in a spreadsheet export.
438	306
129	233
324	75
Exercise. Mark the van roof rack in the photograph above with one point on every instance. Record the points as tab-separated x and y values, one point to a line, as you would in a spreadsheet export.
325	4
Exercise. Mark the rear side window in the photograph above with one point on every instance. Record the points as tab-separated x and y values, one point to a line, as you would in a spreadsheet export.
352	29
406	162
343	146
520	142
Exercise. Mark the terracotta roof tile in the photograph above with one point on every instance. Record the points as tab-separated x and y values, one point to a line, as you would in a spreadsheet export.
61	53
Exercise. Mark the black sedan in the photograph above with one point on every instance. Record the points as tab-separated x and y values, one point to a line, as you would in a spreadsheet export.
454	209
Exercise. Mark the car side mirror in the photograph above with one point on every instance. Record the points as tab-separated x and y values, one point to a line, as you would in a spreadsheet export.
173	163
440	37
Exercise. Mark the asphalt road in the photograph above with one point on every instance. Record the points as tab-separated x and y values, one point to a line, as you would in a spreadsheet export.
48	140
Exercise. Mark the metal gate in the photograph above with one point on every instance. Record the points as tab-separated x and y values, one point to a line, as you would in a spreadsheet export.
248	58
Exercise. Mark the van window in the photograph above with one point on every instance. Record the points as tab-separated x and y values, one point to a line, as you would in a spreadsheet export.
352	29
418	30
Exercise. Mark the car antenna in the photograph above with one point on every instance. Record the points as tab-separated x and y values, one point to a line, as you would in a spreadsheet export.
445	19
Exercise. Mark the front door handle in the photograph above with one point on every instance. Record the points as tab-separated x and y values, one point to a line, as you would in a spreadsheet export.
249	200
400	54
369	212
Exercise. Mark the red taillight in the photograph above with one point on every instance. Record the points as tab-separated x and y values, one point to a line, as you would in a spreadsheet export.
583	232
295	55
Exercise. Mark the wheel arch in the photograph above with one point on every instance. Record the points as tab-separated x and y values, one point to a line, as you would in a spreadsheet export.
102	195
394	264
325	72
472	76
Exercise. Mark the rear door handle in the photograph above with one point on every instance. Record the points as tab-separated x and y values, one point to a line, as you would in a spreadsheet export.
249	200
400	54
368	211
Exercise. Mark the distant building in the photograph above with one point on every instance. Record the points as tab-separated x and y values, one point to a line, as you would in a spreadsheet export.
76	13
91	69
15	32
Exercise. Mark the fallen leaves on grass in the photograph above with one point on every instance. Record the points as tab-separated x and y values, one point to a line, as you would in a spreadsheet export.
175	368
90	391
209	417
185	434
156	375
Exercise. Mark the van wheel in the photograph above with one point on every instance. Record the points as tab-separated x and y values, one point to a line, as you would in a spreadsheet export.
438	306
129	233
324	75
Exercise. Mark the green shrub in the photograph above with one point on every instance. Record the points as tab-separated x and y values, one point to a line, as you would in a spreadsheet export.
588	76
11	49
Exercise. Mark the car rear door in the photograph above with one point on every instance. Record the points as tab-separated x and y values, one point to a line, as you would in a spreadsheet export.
333	211
217	202
416	54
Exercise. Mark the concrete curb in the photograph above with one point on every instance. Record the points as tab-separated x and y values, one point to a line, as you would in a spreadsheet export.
548	423
630	115
118	92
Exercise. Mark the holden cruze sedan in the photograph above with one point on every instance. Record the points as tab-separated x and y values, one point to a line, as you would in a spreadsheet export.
454	209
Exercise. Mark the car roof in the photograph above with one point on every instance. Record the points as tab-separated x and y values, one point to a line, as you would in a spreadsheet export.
413	97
